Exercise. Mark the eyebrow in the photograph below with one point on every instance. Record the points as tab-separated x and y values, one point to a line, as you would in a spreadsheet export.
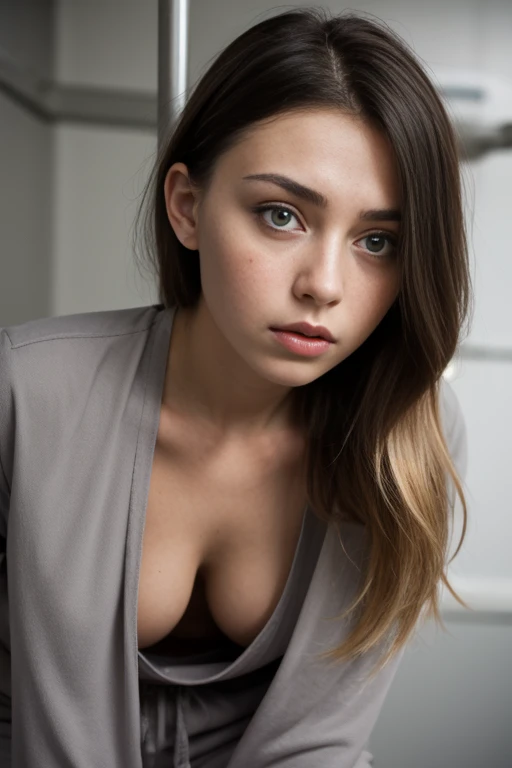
316	198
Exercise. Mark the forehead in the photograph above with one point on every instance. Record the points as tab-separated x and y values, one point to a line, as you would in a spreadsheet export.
333	152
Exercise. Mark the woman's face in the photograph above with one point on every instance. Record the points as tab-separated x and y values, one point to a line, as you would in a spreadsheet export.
332	264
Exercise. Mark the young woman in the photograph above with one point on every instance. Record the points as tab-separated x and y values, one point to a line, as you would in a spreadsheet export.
225	514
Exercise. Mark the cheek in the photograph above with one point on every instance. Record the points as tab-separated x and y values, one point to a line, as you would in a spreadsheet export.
233	265
234	278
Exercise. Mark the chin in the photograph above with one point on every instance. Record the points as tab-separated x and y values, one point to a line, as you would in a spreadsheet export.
290	374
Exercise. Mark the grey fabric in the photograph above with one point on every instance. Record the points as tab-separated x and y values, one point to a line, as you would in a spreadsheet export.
80	402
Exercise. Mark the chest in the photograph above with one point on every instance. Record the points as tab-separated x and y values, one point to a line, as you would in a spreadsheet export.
220	536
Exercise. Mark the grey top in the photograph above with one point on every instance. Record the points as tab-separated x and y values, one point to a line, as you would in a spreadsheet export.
80	399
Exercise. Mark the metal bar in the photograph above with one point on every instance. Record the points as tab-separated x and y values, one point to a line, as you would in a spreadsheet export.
490	601
173	24
50	101
478	616
103	106
23	87
485	352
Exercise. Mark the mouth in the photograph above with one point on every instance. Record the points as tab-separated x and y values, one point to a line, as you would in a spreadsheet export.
299	333
300	343
307	331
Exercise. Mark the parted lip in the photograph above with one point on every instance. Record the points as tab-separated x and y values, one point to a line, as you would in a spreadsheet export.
309	330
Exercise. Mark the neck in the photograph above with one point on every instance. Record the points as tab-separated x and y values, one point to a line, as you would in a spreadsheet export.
207	379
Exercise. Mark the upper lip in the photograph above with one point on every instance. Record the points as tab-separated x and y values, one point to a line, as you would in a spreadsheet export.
309	330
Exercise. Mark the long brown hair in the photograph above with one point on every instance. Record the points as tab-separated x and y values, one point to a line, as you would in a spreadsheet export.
376	452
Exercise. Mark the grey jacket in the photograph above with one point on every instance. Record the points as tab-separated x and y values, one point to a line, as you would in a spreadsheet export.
79	411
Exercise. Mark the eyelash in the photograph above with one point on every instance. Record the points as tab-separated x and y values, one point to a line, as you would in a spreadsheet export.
259	210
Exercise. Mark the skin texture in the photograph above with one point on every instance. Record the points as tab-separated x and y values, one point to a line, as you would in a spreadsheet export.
267	270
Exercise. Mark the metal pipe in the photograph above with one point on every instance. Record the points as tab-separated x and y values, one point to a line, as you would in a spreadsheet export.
469	351
173	24
490	600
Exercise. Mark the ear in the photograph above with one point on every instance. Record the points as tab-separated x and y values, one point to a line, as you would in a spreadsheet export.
181	205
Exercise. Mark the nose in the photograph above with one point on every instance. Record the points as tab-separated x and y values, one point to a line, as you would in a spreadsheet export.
319	273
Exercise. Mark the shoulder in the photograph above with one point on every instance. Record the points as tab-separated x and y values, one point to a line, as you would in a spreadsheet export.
452	416
61	348
58	370
103	324
450	408
454	425
50	364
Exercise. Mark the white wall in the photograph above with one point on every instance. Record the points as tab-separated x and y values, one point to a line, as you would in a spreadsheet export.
100	172
99	175
449	703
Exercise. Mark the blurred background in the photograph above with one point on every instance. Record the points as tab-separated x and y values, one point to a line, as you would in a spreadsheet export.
78	88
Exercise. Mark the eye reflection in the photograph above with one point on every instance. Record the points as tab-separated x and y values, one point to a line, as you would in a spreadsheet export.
375	247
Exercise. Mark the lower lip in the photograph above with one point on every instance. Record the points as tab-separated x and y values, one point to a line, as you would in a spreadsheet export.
301	345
